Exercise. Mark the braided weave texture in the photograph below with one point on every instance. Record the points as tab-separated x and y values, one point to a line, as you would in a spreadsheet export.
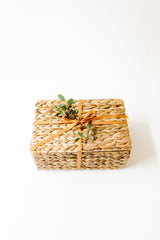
110	148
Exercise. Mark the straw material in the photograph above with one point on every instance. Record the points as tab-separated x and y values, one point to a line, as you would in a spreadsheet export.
110	148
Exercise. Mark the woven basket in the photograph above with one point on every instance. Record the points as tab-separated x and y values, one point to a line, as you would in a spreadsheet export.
109	149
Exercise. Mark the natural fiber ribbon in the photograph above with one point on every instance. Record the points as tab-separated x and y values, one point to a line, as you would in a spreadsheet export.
72	123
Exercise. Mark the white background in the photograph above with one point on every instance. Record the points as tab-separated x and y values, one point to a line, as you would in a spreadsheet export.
81	49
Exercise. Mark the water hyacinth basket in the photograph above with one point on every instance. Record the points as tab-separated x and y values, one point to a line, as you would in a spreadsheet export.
110	148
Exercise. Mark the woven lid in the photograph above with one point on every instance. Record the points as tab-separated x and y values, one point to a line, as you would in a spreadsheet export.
113	137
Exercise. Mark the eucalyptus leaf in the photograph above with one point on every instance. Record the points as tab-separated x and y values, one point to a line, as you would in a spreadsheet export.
90	132
91	137
63	106
59	114
80	134
89	124
70	101
82	127
61	97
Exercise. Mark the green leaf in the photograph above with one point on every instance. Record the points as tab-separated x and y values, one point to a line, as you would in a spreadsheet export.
63	113
73	112
55	107
91	137
63	106
61	97
59	114
80	134
70	101
76	139
90	132
89	124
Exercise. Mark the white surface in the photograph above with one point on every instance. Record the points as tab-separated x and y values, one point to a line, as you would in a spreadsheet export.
82	49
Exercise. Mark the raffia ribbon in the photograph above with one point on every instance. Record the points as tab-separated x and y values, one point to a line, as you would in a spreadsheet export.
72	123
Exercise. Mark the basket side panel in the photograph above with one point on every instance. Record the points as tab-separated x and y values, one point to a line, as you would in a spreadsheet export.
90	160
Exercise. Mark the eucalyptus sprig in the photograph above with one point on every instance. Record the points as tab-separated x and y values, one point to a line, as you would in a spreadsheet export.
88	131
65	110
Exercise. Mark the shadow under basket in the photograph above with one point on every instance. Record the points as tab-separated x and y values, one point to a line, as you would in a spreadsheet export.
110	148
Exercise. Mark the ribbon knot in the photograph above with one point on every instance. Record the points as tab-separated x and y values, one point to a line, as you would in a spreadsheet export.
90	116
